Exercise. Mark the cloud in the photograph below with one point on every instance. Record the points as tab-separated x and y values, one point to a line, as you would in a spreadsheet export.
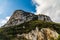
3	21
48	7
3	8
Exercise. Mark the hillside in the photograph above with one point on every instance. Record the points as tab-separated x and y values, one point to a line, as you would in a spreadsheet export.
28	26
10	33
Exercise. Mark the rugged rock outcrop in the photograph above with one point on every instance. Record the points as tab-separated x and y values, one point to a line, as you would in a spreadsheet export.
20	16
28	26
43	34
44	18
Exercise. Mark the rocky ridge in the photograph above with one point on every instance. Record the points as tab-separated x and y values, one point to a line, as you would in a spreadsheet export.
28	26
20	16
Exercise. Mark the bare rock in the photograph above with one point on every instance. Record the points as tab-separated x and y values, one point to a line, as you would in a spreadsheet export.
20	16
43	34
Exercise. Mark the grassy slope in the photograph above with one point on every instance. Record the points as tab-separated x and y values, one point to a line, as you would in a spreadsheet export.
10	32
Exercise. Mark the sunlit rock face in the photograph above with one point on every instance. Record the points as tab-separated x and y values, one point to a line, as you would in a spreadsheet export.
49	33
20	16
43	34
44	18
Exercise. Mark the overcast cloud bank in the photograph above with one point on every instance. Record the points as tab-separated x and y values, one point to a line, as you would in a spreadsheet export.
48	7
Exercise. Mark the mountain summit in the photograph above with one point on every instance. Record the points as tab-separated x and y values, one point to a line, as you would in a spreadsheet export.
20	16
28	26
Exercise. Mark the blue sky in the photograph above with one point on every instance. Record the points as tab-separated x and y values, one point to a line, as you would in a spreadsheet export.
7	7
46	7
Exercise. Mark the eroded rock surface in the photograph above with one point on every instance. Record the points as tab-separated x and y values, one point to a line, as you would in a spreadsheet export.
20	16
43	34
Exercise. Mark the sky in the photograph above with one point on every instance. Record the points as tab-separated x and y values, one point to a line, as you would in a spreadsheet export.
46	7
7	7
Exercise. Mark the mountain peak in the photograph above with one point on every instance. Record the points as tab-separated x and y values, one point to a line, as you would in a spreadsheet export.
20	16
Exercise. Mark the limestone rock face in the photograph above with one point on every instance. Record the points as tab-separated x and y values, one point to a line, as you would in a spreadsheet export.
43	34
20	16
44	18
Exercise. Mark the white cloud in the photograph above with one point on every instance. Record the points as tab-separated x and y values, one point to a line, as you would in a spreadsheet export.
48	7
3	7
3	21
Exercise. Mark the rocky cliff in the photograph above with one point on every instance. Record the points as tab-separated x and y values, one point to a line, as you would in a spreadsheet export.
20	16
43	34
28	26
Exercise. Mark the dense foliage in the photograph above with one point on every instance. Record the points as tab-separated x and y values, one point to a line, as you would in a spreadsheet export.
11	32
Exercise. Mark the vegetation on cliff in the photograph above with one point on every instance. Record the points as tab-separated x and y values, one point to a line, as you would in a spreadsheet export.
10	33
